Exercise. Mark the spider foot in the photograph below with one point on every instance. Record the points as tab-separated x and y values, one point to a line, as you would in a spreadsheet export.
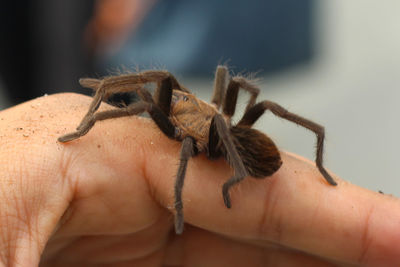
179	223
68	137
226	196
84	129
178	226
327	176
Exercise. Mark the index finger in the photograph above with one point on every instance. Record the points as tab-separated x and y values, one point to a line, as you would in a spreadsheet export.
295	207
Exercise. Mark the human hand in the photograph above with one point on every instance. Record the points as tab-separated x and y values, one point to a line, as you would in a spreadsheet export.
106	199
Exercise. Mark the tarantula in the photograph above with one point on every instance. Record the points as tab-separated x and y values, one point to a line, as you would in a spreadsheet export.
201	127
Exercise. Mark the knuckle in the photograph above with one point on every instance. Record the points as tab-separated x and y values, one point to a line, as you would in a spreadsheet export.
270	223
365	242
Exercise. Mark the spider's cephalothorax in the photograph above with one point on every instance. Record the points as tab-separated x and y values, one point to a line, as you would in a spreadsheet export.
201	127
191	117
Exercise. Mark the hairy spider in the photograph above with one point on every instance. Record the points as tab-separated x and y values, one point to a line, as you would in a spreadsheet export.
201	127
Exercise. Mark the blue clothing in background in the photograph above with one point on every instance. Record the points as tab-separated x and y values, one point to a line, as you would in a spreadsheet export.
192	36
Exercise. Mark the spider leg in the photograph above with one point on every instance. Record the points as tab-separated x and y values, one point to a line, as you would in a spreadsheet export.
101	93
125	83
163	94
155	112
213	151
221	78
128	82
233	157
97	98
230	100
254	113
188	150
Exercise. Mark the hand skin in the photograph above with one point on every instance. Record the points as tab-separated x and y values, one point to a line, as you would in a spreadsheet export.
106	199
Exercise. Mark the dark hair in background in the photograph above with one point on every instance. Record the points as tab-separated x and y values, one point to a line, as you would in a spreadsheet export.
41	48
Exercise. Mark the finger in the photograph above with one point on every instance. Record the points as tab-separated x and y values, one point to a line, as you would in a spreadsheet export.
33	191
197	247
105	171
96	250
295	207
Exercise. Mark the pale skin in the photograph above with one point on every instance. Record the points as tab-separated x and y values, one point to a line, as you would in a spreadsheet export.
106	199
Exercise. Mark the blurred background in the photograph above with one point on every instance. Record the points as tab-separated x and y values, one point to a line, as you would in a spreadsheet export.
335	62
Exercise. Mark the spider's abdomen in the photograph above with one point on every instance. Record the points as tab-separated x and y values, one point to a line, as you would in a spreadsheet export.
258	152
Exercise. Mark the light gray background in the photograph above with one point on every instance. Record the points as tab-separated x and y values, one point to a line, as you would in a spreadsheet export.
352	88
